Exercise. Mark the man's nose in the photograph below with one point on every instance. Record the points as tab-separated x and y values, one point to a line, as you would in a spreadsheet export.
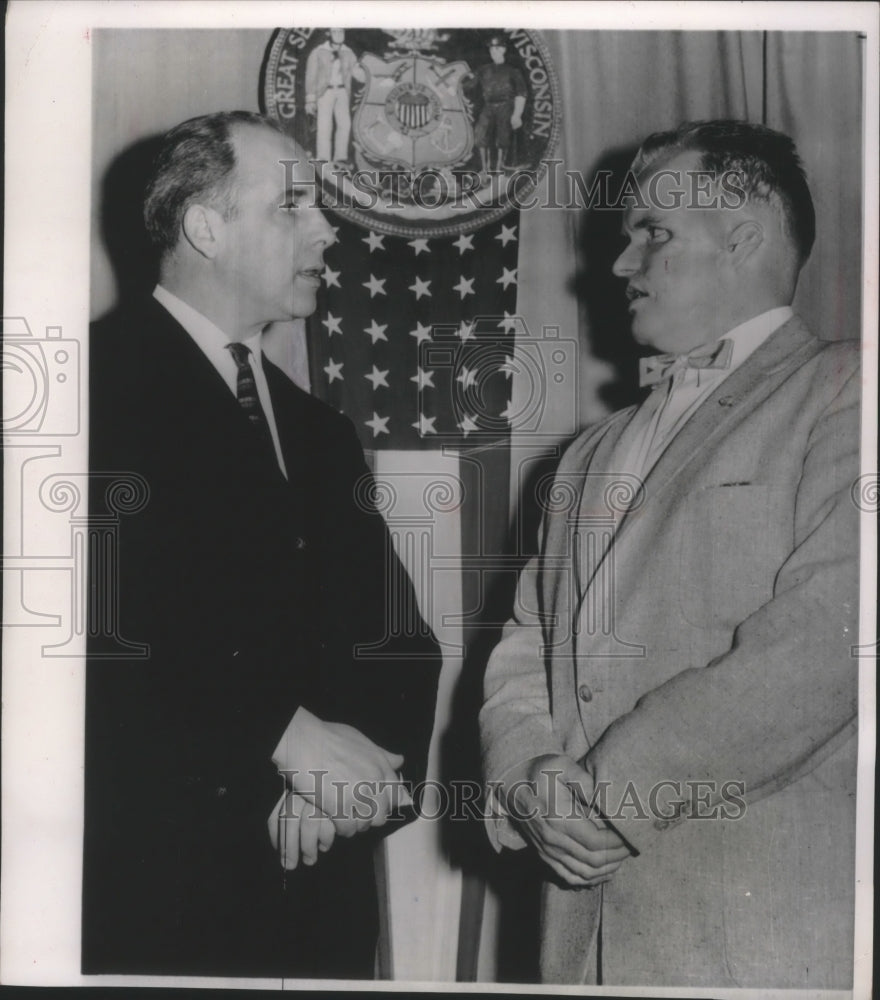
324	233
627	264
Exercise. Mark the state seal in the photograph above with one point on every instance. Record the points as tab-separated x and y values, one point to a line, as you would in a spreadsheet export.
417	132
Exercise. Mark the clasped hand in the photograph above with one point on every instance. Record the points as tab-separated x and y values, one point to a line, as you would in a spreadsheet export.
340	783
299	830
550	799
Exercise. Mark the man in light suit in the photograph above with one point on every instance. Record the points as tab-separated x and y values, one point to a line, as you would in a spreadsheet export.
670	717
221	834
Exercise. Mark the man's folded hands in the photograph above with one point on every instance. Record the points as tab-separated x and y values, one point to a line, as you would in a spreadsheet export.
339	783
550	798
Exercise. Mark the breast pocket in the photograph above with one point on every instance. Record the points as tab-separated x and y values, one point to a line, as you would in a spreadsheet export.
734	540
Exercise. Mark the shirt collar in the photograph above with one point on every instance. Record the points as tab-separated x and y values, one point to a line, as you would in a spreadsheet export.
209	337
744	340
748	336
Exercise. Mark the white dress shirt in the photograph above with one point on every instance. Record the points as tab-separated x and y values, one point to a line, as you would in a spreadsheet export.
335	65
212	341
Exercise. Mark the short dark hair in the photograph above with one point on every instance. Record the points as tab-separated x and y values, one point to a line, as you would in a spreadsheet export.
767	162
196	161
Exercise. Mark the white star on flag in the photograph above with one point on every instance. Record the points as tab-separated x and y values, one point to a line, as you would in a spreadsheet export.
374	241
507	234
508	368
376	331
467	377
425	425
507	412
377	377
378	425
330	278
465	286
421	332
467	425
421	288
466	330
464	243
423	379
508	277
419	246
332	323
334	371
377	286
508	324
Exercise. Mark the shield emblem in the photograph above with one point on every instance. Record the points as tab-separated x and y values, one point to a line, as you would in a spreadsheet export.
413	168
412	113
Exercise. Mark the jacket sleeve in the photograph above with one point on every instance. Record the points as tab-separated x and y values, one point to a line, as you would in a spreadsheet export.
783	696
381	660
515	721
312	75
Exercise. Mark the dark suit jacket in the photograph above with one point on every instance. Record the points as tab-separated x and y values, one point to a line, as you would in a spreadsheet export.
252	593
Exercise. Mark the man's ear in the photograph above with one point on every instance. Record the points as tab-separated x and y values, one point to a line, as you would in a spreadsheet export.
202	229
743	240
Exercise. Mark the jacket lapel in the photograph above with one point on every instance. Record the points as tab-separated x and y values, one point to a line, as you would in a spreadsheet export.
294	435
733	399
197	401
289	416
192	385
596	478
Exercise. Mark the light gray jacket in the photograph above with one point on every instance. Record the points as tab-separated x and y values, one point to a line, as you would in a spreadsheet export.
732	594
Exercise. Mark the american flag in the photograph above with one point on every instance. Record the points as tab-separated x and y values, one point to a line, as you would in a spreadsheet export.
413	340
413	337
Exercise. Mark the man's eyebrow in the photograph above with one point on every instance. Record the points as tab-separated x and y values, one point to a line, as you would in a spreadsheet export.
643	222
646	221
297	189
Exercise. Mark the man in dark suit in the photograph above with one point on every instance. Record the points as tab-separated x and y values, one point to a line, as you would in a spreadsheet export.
670	717
262	581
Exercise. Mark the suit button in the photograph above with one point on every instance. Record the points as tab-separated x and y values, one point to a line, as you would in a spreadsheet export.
584	693
300	543
679	809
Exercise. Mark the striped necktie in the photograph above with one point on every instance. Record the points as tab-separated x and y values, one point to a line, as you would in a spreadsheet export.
248	398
